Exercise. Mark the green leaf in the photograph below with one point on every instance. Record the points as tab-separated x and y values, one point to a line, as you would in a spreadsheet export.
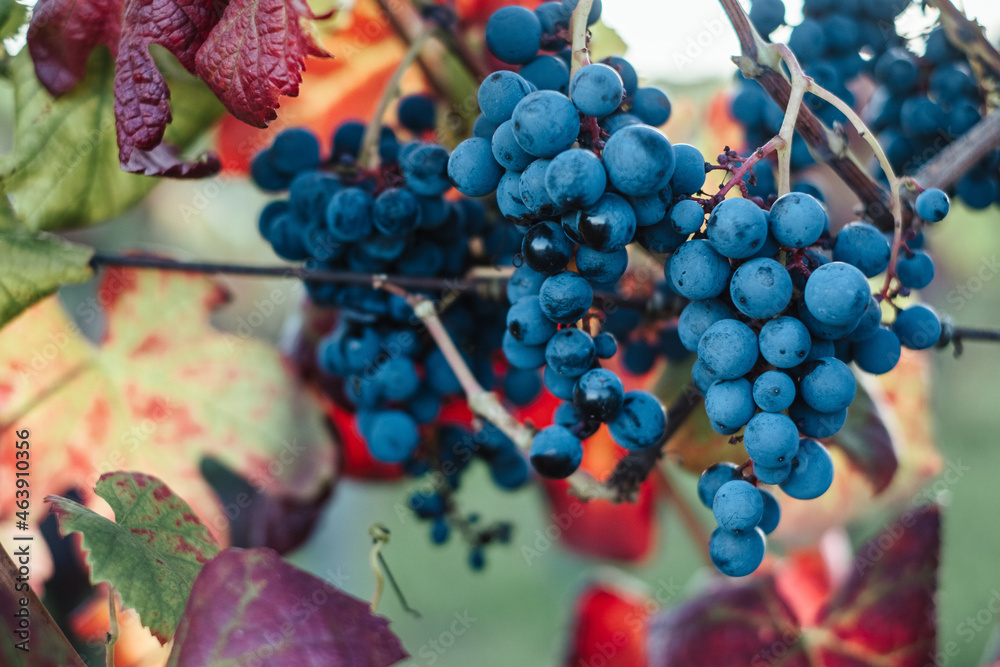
12	17
64	170
606	42
153	553
34	266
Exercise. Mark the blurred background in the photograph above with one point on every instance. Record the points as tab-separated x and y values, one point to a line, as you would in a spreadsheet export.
519	609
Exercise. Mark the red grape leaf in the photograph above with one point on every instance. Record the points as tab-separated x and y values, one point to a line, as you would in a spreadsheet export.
867	442
165	160
609	628
255	54
883	615
162	390
152	551
251	603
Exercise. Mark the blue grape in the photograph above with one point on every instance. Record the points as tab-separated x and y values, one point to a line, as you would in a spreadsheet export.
823	331
918	327
534	194
349	215
932	205
870	321
599	395
508	470
641	422
433	212
697	271
601	267
659	238
570	352
500	93
513	35
506	150
265	175
397	379
525	281
565	297
689	170
596	90
713	478
729	349
862	245
797	220
347	140
545	123
915	271
294	150
827	385
546	248
509	199
775	475
608	225
698	316
639	358
639	160
592	17
920	117
837	293
761	288
417	113
575	179
650	209
812	471
560	386
393	436
552	15
815	424
269	214
395	212
472	168
687	216
729	405
527	323
484	128
738	506
521	386
703	376
605	345
737	554
425	169
555	452
522	356
547	73
651	105
617	121
771	439
807	41
773	391
767	15
771	515
670	345
879	353
736	228
784	342
309	194
977	191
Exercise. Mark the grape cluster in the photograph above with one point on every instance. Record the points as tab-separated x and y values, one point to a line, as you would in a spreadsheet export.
377	360
578	167
774	341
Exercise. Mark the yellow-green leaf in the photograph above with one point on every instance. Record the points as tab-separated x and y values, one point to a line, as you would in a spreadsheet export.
12	16
33	266
151	553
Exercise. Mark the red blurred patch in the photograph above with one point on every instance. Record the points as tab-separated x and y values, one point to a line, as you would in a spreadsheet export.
609	629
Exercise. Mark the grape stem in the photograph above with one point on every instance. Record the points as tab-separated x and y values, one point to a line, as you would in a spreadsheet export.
437	82
883	161
800	83
368	157
113	630
968	36
745	166
578	27
485	404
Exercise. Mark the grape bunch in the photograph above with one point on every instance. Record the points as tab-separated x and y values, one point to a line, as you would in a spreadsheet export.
376	360
578	166
775	320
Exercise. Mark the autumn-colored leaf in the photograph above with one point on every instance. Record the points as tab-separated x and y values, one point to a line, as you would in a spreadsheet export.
867	442
883	615
151	553
259	519
33	268
250	603
161	391
609	628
